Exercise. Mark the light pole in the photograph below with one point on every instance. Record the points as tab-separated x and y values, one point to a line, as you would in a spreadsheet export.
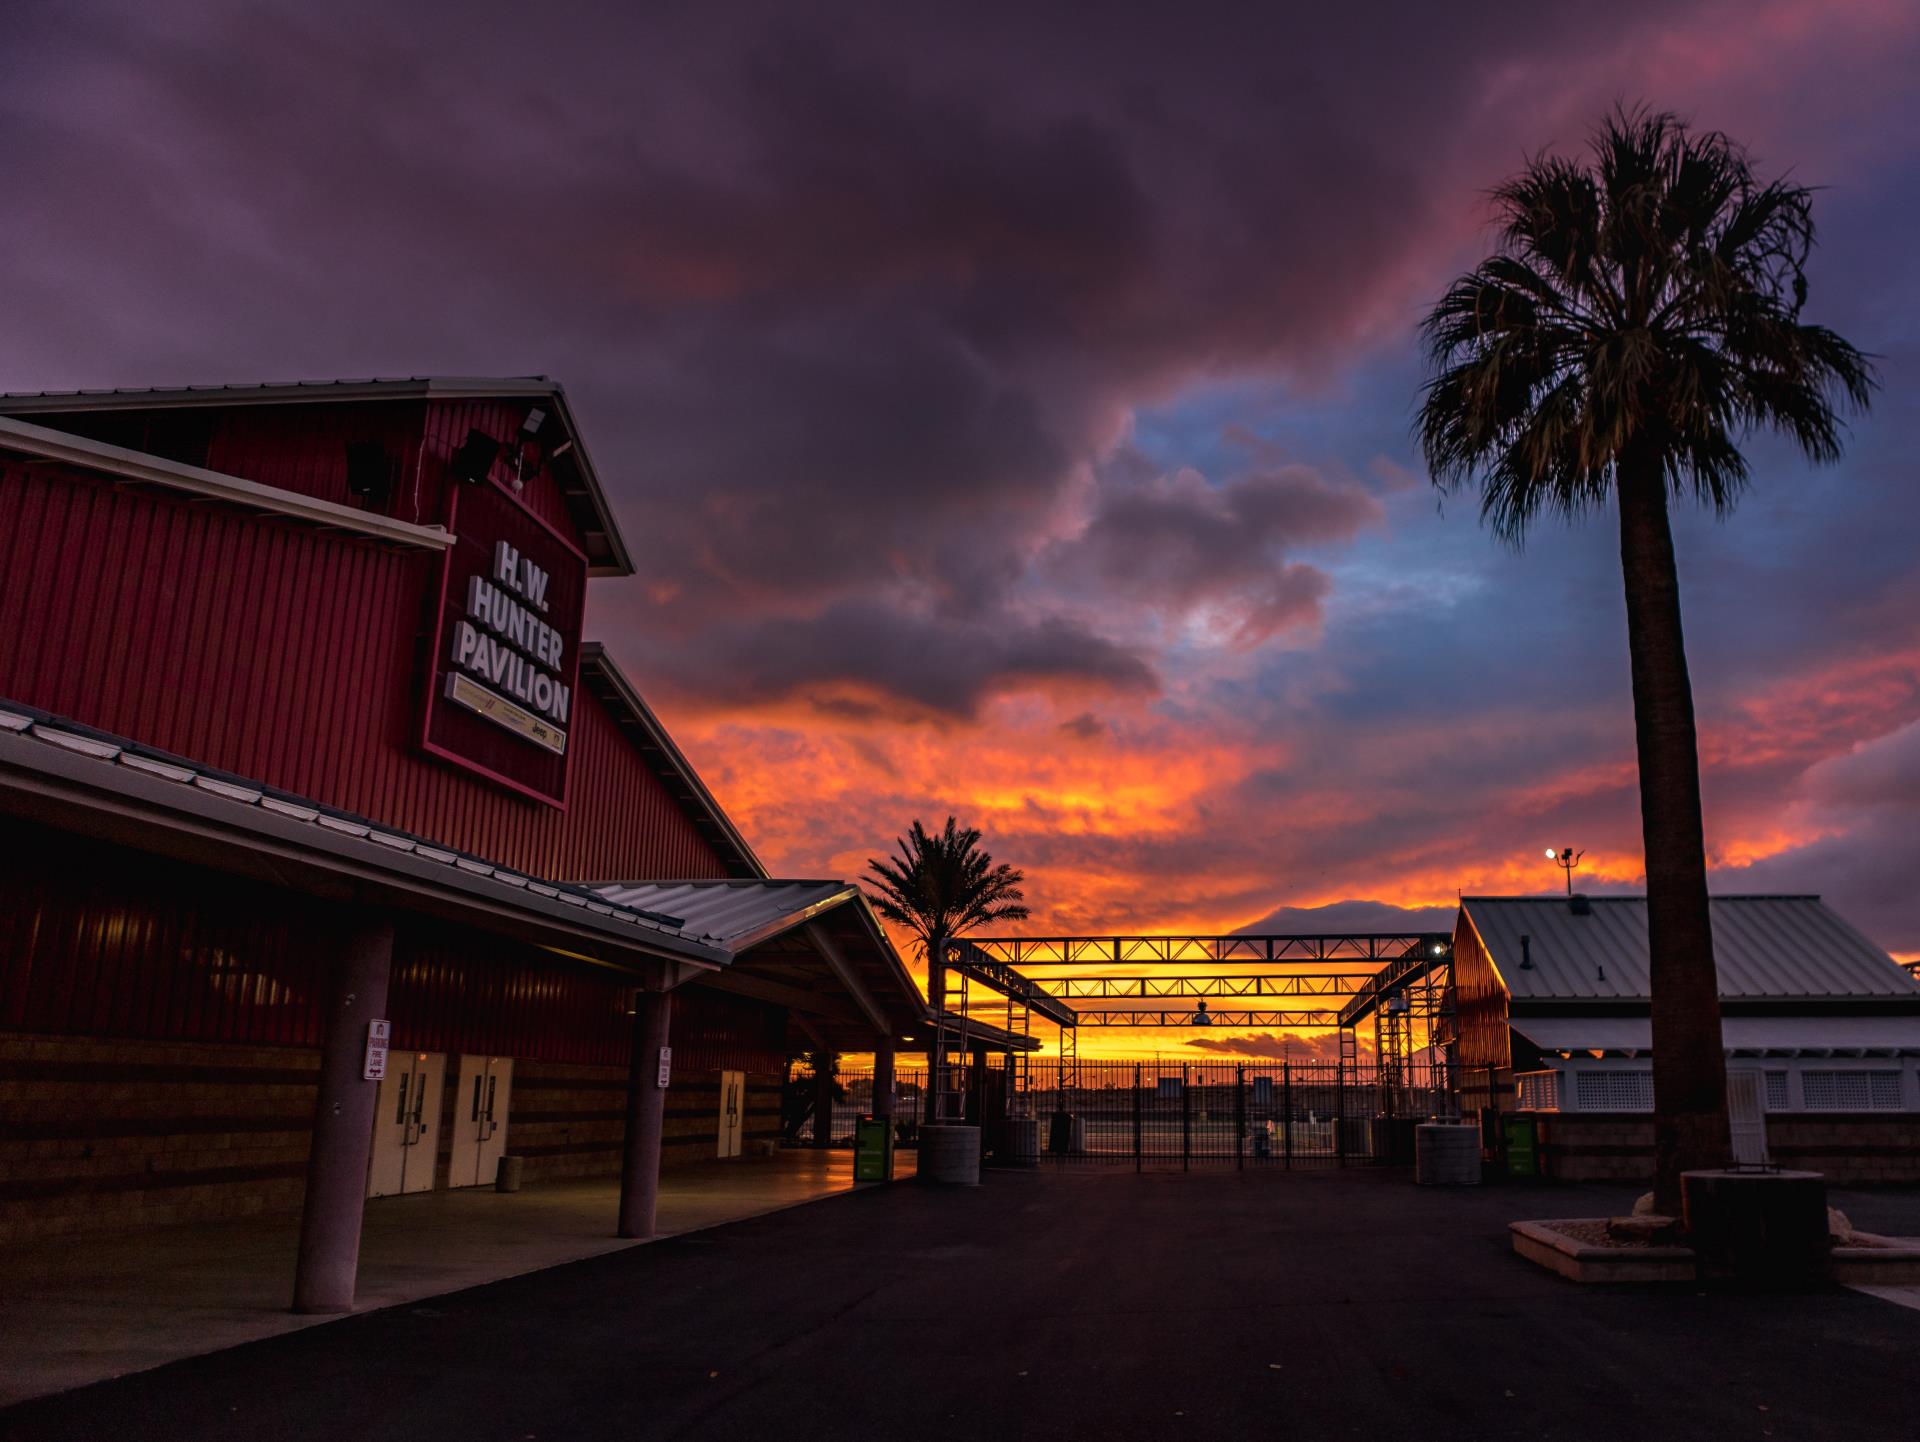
1566	858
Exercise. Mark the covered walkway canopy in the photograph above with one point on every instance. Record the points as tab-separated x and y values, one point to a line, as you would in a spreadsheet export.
814	947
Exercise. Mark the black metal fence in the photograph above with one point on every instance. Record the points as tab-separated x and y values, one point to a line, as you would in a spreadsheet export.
852	1099
1160	1114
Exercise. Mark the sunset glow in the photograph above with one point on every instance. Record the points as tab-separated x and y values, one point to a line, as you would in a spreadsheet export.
1027	439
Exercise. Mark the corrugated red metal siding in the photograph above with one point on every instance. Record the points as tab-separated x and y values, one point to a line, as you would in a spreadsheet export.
98	940
1481	1000
447	424
303	447
95	941
293	657
466	992
714	1031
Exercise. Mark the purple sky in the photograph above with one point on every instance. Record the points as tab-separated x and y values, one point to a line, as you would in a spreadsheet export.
1009	411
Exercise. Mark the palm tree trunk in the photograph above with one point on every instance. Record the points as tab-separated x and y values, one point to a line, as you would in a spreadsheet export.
937	999
1689	1067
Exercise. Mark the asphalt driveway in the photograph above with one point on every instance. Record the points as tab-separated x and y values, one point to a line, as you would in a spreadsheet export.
1065	1305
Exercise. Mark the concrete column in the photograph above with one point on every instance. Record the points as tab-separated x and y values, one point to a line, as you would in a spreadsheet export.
646	1116
823	1098
342	1126
883	1079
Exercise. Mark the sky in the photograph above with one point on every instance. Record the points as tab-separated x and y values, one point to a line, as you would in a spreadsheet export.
1009	408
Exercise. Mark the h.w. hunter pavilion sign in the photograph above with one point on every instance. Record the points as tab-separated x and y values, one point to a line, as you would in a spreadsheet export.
506	662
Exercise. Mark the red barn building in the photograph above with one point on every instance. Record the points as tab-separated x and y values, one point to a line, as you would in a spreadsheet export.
304	767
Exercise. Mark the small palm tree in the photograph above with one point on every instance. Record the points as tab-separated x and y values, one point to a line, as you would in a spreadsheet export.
1640	316
941	886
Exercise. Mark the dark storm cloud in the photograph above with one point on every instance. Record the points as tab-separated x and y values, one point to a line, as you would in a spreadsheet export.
1351	918
1287	1046
866	310
1180	545
848	302
862	662
1862	806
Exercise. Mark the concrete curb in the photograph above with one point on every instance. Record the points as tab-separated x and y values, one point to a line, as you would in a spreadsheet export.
1578	1262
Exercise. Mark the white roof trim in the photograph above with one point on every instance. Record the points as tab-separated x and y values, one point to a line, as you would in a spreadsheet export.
431	388
126	398
153	471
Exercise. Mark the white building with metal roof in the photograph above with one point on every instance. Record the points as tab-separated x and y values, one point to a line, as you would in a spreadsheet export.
1556	993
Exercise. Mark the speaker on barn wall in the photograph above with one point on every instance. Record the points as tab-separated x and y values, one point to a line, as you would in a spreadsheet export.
474	460
369	470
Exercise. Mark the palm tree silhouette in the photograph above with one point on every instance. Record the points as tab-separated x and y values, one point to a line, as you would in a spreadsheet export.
1640	315
941	886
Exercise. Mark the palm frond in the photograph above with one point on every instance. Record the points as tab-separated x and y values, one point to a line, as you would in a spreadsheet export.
943	884
1649	297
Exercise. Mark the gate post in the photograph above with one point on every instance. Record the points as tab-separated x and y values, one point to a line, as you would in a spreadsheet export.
1340	1112
1186	1123
1239	1117
1286	1112
1136	1116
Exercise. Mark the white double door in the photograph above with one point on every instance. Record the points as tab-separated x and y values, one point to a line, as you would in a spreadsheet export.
406	1138
733	1112
480	1102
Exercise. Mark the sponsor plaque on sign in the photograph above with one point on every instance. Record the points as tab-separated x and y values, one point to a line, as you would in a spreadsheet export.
506	647
379	1031
666	1067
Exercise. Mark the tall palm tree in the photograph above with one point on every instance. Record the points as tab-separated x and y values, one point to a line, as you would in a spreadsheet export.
1641	314
941	886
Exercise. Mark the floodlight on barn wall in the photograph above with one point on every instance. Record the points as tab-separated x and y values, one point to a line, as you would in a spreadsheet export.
474	460
369	470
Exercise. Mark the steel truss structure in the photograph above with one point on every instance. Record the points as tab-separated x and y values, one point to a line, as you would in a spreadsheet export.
1400	981
1337	983
1188	1017
1375	947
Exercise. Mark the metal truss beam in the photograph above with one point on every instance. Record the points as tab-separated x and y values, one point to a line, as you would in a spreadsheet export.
1374	947
1395	977
996	974
1326	983
1139	1016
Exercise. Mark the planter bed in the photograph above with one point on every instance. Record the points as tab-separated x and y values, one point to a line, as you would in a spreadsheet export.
1582	1252
1579	1249
1867	1259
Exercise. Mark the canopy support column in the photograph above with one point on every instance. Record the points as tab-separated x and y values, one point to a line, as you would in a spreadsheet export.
647	1078
336	1200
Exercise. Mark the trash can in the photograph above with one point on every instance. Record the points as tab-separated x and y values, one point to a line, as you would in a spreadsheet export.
872	1150
1520	1142
1446	1154
1023	1142
506	1176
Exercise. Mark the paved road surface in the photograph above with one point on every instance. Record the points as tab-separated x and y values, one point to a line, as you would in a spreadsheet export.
1065	1305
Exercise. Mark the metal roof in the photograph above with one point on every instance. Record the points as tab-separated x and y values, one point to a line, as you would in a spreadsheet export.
1764	947
985	1033
27	403
731	914
37	747
1758	1035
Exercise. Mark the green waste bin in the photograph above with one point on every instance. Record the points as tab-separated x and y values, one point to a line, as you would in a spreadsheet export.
872	1150
1522	1146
